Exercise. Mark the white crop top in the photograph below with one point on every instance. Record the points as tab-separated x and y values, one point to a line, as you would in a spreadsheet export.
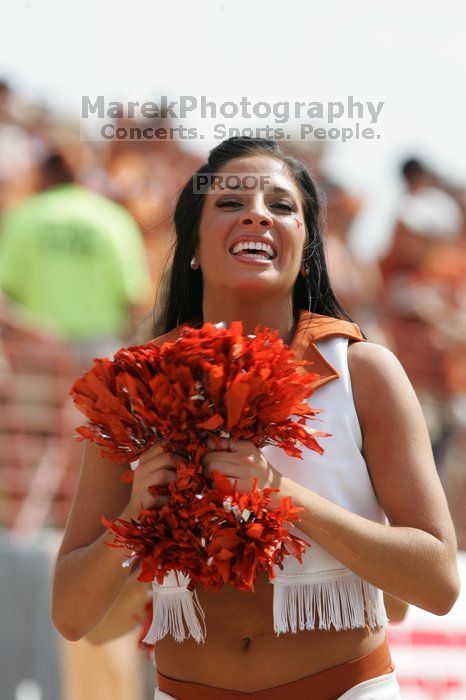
321	591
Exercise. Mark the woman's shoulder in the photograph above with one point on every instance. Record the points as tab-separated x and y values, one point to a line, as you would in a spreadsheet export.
377	376
372	357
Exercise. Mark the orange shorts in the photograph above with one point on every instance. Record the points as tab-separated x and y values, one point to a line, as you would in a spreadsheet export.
326	685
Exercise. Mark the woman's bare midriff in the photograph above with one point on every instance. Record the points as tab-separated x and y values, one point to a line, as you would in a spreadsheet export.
242	652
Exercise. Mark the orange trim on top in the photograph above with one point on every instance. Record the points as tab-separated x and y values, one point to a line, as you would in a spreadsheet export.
313	327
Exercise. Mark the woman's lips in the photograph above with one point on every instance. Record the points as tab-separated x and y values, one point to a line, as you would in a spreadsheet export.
253	244
249	260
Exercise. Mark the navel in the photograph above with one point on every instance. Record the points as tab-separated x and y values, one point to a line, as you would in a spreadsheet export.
246	643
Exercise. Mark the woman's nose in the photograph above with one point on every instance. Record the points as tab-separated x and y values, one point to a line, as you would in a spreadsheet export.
260	218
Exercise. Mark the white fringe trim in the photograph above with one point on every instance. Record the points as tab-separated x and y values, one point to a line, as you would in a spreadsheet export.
338	597
175	609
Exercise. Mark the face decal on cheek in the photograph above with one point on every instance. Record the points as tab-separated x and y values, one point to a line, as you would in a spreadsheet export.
298	222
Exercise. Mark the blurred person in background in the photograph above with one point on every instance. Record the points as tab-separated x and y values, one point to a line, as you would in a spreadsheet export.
145	175
358	284
427	216
76	262
17	151
416	299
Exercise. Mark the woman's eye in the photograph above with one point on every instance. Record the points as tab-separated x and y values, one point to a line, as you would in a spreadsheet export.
287	206
284	205
228	203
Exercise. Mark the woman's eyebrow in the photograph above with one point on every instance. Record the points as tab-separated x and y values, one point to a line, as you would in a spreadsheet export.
277	189
282	190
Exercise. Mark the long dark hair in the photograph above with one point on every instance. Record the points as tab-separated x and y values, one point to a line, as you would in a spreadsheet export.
184	290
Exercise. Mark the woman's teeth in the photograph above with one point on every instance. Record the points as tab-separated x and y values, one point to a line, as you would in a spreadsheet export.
261	256
253	249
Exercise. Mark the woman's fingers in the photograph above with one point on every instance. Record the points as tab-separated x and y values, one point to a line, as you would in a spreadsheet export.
221	445
156	468
160	476
227	445
158	461
217	467
159	494
154	451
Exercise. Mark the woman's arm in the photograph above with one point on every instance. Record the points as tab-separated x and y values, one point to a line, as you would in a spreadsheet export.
414	558
396	609
125	613
89	576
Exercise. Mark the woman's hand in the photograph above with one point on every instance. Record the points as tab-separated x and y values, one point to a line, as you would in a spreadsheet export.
245	463
156	467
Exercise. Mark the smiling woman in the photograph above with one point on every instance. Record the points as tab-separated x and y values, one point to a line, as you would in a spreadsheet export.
257	255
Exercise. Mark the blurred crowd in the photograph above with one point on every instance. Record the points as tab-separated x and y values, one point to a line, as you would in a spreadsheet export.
86	230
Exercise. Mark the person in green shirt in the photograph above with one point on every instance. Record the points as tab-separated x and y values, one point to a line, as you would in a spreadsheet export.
75	261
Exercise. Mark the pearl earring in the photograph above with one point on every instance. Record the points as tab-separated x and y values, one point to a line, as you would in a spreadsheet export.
194	263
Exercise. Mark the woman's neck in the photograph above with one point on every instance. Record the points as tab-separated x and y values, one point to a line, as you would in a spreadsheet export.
272	314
